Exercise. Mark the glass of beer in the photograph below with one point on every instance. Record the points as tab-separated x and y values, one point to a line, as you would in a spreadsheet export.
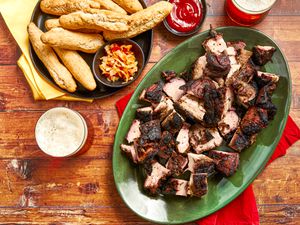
248	12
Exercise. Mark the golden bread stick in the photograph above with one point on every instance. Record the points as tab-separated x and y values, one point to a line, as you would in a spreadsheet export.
142	21
61	38
104	20
112	6
78	67
62	7
58	71
52	23
130	6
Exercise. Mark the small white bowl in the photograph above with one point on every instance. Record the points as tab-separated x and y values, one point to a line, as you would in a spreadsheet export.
61	132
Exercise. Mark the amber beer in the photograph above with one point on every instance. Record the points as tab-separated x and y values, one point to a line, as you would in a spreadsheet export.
248	12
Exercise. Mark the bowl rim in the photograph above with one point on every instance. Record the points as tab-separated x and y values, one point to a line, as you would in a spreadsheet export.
111	84
197	28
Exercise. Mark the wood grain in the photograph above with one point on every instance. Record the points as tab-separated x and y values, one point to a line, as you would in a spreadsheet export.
81	190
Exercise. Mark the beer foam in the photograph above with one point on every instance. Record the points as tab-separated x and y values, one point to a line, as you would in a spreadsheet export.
60	132
255	5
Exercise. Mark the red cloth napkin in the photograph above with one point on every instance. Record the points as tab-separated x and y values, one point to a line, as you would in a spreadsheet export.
242	210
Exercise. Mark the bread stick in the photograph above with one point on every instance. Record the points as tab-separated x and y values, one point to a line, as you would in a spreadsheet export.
52	23
130	6
61	38
58	71
78	67
112	6
62	7
104	20
142	21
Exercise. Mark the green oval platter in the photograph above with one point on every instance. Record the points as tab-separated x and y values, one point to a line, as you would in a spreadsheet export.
221	190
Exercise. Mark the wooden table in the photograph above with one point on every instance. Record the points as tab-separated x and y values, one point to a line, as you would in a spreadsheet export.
81	190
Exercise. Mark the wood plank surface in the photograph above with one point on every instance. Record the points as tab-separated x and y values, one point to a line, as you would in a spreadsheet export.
81	190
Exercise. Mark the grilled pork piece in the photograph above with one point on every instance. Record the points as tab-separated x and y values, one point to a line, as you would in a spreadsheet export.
254	121
246	93
153	181
244	56
172	88
262	54
153	94
164	108
134	131
203	139
264	99
263	78
175	187
198	184
218	65
237	45
215	43
199	163
227	95
130	152
246	73
226	162
144	114
167	145
240	141
229	123
190	107
173	122
231	75
197	87
168	75
198	67
213	105
147	151
182	140
150	131
176	164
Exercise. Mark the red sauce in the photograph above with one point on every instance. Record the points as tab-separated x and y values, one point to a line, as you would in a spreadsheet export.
185	16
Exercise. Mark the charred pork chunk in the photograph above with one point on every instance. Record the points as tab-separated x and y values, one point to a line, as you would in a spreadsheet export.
164	108
237	45
147	151
175	187
182	139
215	43
241	141
173	122
203	139
197	87
228	97
262	54
144	114
172	88
153	181
130	152
198	184
246	73
150	131
263	78
167	145
264	100
213	105
198	67
246	93
199	163
134	132
190	107
168	75
217	66
153	94
229	123
226	162
176	164
254	121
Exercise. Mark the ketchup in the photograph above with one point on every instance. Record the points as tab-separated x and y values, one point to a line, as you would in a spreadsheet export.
185	16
